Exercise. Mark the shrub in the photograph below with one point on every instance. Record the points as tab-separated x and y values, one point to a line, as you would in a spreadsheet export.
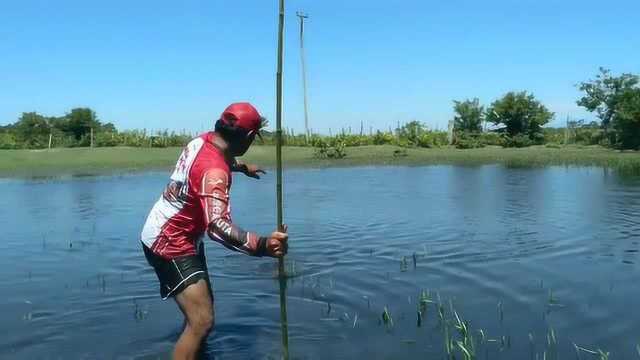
466	140
431	139
382	138
589	136
492	138
323	150
8	141
351	140
105	139
468	143
518	141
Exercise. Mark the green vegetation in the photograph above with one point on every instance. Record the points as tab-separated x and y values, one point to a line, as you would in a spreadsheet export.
469	115
78	128
124	159
326	150
616	101
518	122
522	117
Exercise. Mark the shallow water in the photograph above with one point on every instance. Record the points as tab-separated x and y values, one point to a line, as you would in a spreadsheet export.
516	252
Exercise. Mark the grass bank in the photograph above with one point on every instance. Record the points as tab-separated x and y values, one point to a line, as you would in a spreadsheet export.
87	161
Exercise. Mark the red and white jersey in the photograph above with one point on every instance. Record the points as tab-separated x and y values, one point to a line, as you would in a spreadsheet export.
178	220
195	202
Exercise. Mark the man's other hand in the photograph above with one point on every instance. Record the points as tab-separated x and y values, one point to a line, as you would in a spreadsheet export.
253	171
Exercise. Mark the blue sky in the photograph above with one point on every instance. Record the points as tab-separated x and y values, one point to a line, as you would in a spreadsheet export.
176	65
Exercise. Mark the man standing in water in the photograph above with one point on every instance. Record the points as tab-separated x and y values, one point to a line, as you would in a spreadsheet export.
195	202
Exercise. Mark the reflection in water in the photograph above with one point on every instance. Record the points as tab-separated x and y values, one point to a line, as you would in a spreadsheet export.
515	251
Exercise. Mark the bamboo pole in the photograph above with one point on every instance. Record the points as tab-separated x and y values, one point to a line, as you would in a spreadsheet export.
281	272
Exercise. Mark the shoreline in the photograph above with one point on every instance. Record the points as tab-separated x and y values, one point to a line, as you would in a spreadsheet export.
124	160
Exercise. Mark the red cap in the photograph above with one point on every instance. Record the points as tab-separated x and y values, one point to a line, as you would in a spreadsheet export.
242	115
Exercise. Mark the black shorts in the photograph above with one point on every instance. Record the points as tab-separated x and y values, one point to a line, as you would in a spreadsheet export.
178	273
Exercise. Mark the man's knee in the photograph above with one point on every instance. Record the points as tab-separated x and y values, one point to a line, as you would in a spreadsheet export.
197	305
203	322
208	320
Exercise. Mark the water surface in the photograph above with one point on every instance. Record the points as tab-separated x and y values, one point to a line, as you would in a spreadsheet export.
516	252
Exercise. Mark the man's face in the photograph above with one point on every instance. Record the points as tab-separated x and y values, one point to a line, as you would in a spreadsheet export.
241	145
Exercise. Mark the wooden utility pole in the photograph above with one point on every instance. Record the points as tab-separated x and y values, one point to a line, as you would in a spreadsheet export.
566	131
281	271
303	16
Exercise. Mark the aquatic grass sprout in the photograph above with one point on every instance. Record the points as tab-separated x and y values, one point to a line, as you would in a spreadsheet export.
600	354
467	344
460	341
448	342
404	265
387	320
139	313
423	301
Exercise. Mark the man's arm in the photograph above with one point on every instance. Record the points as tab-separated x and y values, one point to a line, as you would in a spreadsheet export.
215	202
248	169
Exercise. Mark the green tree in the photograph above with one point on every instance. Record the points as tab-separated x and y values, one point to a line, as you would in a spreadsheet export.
603	95
521	114
80	121
626	121
469	115
108	127
32	130
615	101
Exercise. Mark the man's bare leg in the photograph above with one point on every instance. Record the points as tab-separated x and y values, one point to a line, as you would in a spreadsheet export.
196	304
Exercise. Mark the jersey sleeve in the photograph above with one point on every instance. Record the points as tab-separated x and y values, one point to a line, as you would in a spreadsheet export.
215	202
